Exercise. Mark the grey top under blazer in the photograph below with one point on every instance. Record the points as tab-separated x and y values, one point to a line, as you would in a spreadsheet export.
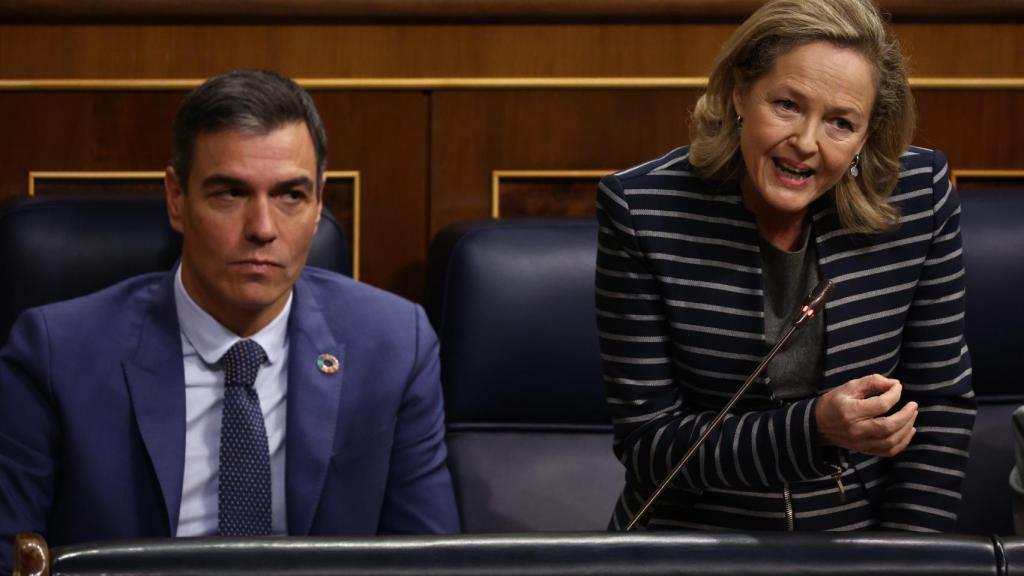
680	313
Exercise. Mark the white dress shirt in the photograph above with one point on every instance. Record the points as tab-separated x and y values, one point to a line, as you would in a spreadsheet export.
203	342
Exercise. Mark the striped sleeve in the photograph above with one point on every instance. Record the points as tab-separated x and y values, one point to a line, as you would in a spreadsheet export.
924	486
654	424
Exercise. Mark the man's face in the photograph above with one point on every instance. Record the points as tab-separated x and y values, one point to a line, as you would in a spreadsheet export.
247	220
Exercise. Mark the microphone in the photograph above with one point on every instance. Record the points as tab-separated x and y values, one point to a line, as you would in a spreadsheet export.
811	307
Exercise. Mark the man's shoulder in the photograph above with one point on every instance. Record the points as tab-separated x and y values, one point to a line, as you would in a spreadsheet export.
330	287
360	314
354	303
123	296
98	323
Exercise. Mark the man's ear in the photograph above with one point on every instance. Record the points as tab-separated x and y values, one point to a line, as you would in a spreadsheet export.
175	195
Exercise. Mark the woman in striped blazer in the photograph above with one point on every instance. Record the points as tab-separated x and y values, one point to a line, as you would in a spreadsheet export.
799	169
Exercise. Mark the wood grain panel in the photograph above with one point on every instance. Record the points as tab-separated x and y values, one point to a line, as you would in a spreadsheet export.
383	135
976	129
964	49
153	51
463	9
447	50
474	133
567	196
82	131
100	184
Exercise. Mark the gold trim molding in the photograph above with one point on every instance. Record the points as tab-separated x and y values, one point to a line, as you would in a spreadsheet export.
352	175
498	175
93	175
356	178
985	173
455	83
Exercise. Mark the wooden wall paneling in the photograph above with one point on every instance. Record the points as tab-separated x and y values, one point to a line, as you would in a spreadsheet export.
477	132
547	197
475	10
341	197
516	193
96	183
474	133
977	129
966	49
341	51
381	135
83	131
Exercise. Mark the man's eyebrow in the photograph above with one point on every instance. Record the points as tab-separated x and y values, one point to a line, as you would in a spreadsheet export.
297	182
216	180
222	180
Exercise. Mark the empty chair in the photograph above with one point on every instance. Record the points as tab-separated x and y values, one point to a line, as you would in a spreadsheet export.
529	436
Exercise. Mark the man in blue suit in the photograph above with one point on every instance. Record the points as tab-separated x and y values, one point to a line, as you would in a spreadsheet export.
239	393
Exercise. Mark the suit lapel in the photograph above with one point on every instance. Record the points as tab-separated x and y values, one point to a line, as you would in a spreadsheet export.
156	377
313	407
825	222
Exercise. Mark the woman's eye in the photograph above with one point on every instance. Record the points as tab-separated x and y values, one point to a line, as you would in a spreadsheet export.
787	105
844	125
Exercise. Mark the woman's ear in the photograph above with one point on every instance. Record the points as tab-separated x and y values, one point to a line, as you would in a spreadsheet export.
738	96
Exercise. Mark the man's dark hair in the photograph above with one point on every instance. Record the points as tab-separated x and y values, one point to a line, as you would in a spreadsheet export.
256	101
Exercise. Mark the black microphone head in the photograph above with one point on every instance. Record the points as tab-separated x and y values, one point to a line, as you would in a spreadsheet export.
819	296
814	303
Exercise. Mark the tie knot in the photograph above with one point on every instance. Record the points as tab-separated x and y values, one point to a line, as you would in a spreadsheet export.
241	363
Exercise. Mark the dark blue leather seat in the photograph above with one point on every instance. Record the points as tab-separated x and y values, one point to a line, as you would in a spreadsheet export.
528	429
529	436
992	225
56	248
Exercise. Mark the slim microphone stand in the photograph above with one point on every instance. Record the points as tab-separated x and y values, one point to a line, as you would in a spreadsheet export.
815	301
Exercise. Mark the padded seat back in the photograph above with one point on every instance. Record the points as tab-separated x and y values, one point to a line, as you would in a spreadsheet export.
992	226
529	434
56	248
513	304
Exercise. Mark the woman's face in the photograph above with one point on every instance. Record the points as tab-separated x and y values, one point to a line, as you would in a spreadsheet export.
803	123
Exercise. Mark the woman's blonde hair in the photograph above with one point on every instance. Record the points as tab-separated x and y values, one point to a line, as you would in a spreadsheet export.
774	29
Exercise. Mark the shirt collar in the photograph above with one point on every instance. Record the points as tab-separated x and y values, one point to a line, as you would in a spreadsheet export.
211	339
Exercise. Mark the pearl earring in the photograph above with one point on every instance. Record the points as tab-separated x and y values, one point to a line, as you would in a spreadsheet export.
855	166
739	121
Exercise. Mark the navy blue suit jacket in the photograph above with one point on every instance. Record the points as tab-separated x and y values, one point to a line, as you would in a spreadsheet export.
92	416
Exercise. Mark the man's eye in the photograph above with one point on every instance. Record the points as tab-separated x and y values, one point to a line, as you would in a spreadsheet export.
292	196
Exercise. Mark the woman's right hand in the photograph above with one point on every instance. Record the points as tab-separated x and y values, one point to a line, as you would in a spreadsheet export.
853	416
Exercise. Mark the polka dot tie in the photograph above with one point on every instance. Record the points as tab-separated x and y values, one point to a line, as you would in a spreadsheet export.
244	490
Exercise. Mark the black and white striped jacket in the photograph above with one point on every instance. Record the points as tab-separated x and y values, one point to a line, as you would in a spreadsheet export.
680	312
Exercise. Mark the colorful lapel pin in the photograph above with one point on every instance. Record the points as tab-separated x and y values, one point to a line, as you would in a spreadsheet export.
327	363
